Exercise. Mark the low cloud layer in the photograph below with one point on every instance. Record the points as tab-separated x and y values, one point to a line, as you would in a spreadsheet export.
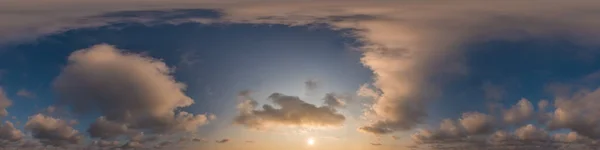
292	111
480	131
131	91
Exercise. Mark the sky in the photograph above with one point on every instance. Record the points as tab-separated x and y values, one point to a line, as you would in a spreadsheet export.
299	75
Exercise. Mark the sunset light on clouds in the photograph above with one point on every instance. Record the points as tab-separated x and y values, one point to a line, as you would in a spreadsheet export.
299	75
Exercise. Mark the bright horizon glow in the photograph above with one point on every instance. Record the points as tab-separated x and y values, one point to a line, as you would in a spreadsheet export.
310	141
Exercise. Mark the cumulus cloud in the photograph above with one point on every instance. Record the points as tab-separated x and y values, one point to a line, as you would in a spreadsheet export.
531	133
130	89
52	131
448	130
519	113
477	123
579	113
8	132
292	111
4	103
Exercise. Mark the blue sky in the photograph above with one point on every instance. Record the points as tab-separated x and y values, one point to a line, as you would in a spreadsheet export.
434	77
215	61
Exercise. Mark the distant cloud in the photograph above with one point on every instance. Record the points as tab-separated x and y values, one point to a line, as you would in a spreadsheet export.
50	109
25	93
249	141
292	112
222	141
95	79
334	101
311	85
492	91
52	131
376	144
4	103
188	58
199	140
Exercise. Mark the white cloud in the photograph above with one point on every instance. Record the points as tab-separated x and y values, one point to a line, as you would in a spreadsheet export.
130	89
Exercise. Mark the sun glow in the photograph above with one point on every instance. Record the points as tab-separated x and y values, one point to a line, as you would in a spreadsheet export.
310	141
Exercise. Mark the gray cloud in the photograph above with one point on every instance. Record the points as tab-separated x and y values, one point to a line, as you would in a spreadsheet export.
106	129
334	101
132	145
129	89
311	84
105	144
222	141
292	112
52	131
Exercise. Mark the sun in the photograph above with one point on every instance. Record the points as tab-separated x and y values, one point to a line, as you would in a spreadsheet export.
310	141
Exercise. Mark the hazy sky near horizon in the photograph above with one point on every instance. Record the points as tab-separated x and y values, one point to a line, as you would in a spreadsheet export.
299	75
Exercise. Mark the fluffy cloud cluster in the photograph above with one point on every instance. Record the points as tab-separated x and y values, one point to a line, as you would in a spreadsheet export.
52	131
292	111
521	112
132	92
580	113
481	131
4	103
8	132
471	124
